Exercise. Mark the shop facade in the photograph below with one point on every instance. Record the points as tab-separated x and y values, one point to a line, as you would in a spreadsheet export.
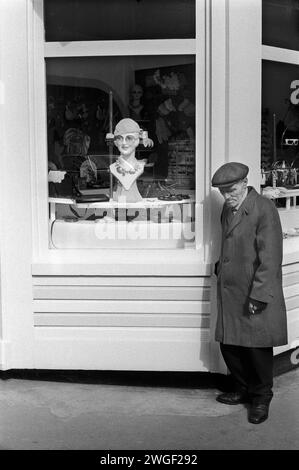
143	298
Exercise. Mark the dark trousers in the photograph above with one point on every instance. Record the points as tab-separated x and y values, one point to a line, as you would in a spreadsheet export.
251	370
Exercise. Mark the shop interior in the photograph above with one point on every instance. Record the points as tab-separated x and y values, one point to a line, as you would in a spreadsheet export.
280	140
86	98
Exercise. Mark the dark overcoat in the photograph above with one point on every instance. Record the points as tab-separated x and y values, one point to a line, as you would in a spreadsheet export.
250	267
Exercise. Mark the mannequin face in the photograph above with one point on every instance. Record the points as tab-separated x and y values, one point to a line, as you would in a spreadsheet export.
127	143
136	92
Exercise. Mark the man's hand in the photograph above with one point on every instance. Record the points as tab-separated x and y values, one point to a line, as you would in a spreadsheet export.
255	306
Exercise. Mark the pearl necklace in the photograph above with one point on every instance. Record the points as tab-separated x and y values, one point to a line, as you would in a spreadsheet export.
120	169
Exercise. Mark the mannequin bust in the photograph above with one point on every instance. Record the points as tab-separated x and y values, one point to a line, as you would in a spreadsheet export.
127	168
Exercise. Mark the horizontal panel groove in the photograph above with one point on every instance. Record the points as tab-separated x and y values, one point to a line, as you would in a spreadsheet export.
118	293
293	312
203	332
114	320
118	306
290	279
124	328
155	281
290	268
292	302
291	291
290	311
291	297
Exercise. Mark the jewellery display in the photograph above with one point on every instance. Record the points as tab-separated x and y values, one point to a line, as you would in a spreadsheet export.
121	170
174	197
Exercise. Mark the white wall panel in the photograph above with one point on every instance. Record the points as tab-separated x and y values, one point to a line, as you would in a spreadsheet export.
120	321
127	320
15	188
120	293
172	349
116	306
121	281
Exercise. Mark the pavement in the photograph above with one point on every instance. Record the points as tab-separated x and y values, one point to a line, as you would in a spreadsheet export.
100	411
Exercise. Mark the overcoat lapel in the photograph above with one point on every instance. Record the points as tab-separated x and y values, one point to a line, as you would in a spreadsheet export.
243	210
236	220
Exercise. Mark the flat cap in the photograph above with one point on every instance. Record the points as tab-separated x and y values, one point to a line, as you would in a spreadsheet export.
229	174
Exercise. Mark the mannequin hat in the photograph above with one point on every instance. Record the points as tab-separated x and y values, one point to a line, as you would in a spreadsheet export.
125	126
229	174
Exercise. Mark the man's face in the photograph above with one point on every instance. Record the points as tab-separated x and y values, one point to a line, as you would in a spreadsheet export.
233	194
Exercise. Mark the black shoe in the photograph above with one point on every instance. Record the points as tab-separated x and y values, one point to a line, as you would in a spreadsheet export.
258	413
233	398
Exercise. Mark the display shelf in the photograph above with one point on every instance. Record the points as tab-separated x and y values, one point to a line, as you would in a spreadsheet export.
145	203
290	195
155	229
284	193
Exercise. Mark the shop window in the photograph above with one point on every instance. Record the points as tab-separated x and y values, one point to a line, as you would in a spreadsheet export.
280	137
280	23
280	116
86	98
90	20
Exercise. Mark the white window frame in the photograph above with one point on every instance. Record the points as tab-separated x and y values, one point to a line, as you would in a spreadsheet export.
102	261
278	54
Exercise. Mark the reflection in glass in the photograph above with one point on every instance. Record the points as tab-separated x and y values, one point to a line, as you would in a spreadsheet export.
86	98
280	26
280	123
90	20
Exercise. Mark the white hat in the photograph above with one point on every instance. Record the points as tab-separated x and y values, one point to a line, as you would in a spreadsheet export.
125	126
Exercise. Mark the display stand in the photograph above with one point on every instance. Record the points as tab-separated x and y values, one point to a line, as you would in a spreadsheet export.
162	224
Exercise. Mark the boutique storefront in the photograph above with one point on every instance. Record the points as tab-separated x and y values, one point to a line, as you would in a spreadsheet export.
114	116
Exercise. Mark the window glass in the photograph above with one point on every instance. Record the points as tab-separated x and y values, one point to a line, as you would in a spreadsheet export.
280	123
135	186
89	20
280	27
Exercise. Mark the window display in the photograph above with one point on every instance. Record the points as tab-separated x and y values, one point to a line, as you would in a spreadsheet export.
279	141
280	123
127	169
121	151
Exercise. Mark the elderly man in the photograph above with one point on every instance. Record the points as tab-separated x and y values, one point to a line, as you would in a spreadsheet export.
251	309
